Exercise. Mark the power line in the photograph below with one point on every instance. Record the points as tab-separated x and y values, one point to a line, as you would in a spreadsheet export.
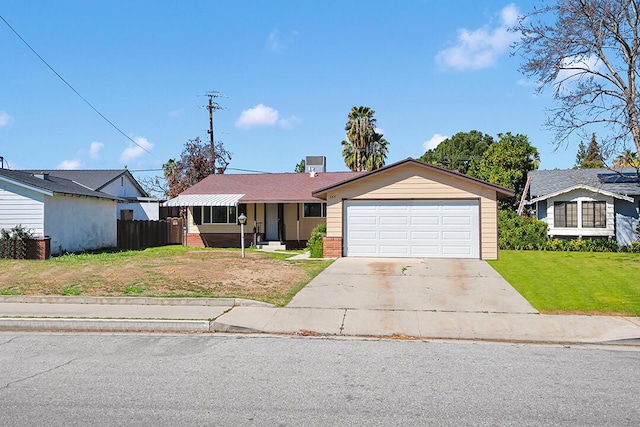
72	88
232	169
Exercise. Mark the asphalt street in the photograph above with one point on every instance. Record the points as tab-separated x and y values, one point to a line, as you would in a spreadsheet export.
137	379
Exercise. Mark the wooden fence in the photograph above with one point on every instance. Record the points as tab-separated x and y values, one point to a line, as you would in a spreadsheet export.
141	234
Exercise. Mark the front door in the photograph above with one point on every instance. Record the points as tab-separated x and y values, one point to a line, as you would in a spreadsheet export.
271	228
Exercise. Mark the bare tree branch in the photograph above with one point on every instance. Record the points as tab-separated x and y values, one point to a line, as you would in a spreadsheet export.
587	51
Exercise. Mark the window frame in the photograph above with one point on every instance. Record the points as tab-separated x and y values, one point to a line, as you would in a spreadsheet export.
597	209
214	215
323	209
566	215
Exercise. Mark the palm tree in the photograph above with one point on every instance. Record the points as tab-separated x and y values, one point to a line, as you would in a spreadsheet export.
364	148
377	155
627	159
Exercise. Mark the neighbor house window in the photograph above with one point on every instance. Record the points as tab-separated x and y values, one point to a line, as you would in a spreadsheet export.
214	215
594	214
315	210
565	214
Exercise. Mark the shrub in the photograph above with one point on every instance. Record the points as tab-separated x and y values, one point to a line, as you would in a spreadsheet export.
556	245
583	245
601	245
13	243
314	244
519	232
634	247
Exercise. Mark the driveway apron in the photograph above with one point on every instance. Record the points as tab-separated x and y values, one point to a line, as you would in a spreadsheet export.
425	284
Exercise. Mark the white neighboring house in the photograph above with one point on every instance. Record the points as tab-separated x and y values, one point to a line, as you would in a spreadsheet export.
75	217
135	204
588	203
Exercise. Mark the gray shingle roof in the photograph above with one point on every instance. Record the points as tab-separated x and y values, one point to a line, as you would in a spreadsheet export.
95	179
53	183
545	182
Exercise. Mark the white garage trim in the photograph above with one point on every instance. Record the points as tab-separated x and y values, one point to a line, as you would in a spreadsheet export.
412	228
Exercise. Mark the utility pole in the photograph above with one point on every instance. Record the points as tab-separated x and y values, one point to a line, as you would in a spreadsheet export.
1	162
213	105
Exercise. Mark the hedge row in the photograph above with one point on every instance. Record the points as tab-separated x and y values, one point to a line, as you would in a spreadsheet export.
523	233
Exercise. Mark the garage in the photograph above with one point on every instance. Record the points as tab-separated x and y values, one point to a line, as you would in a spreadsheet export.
412	228
412	209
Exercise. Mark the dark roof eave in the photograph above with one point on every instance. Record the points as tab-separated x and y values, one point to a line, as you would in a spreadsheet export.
105	197
309	200
501	191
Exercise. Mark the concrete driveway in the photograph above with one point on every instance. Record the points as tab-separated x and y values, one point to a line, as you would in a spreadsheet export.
426	284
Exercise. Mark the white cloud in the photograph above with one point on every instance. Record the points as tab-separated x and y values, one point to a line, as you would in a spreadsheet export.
509	15
134	151
175	113
94	150
434	141
571	67
477	49
276	43
260	115
70	164
5	119
288	123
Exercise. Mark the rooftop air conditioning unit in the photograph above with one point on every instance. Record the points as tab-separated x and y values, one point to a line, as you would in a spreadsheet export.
316	163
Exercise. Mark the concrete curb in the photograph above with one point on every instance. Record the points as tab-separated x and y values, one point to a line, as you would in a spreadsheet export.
52	299
103	325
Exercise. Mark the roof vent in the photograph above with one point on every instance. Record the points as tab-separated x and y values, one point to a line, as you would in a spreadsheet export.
42	175
317	163
312	172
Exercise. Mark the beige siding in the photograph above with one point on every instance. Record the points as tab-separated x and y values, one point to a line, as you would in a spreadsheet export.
418	183
291	218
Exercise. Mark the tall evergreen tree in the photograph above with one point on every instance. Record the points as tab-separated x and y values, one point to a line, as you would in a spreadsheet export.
593	158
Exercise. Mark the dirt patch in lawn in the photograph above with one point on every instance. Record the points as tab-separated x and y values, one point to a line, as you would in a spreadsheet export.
162	272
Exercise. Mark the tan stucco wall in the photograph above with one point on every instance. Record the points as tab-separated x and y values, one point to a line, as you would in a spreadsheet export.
290	222
306	224
418	183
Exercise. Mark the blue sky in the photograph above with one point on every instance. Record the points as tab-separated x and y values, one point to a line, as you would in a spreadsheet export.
289	72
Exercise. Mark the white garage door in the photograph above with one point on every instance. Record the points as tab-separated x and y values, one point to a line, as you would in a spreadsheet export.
434	229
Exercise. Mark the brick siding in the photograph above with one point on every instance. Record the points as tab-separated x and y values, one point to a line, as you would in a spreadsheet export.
332	247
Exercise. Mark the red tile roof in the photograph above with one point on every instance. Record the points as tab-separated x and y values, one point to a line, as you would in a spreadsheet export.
272	187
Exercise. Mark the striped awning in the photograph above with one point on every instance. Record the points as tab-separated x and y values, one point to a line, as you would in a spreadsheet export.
204	200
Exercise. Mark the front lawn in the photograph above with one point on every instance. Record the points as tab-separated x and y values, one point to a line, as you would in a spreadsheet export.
574	282
170	271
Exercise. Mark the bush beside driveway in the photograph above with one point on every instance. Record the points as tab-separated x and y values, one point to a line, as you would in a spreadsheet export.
574	282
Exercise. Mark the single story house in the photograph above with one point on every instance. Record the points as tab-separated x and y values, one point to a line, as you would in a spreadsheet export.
135	203
74	217
278	206
406	209
587	203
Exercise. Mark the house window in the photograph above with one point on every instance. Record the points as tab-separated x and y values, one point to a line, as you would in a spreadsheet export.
197	215
565	214
126	214
214	215
594	214
314	210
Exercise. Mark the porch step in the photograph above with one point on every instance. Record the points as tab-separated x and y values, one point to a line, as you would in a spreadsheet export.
271	246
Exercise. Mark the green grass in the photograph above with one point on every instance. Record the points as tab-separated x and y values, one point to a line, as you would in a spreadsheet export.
574	282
